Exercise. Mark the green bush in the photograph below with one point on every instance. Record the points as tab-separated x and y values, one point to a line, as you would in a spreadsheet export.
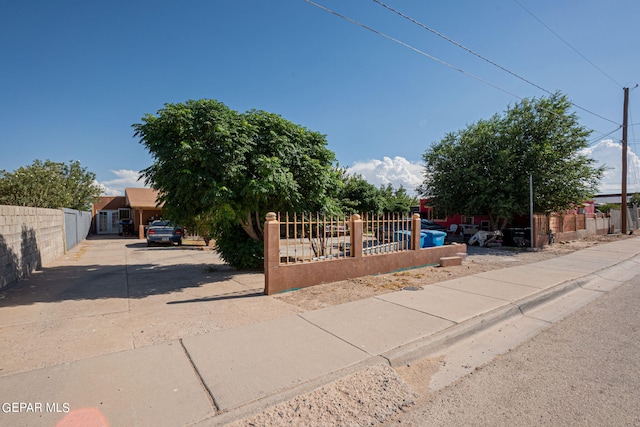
238	249
606	208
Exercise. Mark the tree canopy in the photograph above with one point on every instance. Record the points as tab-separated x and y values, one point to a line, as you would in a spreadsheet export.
485	168
397	199
232	168
357	195
49	185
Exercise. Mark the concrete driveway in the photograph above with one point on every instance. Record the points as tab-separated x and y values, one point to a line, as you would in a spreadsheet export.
109	295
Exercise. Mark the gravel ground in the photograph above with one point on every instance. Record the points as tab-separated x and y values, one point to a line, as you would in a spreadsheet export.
373	396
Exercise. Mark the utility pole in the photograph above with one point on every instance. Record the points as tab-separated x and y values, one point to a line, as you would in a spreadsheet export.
533	236
623	209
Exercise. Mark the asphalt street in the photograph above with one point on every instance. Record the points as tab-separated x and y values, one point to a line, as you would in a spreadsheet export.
584	370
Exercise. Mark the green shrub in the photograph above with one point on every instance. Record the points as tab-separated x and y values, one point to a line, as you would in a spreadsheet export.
606	208
238	249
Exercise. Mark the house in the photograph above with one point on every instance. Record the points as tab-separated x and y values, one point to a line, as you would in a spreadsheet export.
114	214
615	198
469	224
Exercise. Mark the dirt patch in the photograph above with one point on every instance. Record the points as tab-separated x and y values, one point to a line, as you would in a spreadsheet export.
366	398
418	376
477	261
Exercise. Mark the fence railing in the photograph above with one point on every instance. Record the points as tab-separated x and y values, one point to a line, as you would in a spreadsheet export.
319	237
346	248
313	237
385	233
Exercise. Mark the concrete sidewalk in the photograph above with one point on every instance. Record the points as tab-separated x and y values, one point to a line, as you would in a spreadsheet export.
216	377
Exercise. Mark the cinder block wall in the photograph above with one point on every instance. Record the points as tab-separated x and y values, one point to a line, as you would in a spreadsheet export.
29	239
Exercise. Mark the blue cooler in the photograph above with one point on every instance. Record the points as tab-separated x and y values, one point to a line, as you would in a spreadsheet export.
430	238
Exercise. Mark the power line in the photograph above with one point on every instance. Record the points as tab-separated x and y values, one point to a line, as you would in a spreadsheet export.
415	49
602	136
420	24
567	43
482	57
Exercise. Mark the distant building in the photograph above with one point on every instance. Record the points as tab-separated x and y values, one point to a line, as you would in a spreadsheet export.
131	212
602	199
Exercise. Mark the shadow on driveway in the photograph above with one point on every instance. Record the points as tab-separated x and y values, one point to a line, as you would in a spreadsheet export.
170	270
232	295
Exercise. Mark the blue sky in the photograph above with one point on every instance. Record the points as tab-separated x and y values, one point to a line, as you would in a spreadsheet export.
75	75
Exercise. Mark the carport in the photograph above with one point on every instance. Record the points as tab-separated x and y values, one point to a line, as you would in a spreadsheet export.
143	203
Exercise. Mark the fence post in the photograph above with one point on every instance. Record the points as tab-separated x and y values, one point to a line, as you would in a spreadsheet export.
271	248
415	232
356	236
534	231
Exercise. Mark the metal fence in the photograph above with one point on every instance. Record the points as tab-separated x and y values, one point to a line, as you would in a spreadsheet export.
306	237
385	233
76	225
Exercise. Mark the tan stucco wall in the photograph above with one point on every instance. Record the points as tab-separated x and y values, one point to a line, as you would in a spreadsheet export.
291	276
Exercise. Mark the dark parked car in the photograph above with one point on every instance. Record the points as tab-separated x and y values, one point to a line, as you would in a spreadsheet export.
164	232
426	224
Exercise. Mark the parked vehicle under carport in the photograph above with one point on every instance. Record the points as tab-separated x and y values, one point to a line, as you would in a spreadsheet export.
164	232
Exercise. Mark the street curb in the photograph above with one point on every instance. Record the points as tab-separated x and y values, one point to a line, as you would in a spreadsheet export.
438	342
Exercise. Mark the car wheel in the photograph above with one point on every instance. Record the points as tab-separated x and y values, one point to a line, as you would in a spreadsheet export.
180	242
148	244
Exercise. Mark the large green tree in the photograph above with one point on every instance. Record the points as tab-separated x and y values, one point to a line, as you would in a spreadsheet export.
485	168
397	200
228	169
49	185
356	195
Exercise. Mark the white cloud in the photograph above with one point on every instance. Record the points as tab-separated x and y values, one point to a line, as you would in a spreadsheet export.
124	178
397	171
609	154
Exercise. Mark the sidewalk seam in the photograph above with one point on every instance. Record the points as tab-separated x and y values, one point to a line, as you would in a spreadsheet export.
415	309
334	335
126	277
209	393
